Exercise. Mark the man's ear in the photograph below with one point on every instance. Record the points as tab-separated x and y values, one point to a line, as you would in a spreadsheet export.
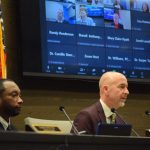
105	89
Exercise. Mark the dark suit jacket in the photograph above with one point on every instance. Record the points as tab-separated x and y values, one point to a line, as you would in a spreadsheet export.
11	128
88	119
1	127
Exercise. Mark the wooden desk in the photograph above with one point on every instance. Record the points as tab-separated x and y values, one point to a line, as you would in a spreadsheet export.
34	141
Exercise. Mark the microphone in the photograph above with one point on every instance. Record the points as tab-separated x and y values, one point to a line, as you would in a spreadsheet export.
61	108
114	111
147	112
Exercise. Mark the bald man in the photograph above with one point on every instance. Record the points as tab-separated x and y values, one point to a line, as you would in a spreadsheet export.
113	94
10	103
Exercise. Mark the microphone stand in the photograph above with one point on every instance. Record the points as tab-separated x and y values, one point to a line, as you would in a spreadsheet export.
61	108
114	111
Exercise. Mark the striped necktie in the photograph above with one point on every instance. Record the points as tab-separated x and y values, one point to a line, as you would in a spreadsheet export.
113	118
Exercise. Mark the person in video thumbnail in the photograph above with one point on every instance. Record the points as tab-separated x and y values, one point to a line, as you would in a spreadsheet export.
60	16
97	3
145	7
84	19
117	4
116	21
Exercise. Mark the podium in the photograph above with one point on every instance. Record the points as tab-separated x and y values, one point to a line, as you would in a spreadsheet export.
30	141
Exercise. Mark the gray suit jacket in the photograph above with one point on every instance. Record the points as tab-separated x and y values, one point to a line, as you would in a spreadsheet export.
88	119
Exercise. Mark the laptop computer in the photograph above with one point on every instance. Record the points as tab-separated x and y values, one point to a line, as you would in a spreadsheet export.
114	129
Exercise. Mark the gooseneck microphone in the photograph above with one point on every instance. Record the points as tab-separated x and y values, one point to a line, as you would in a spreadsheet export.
61	108
147	112
114	111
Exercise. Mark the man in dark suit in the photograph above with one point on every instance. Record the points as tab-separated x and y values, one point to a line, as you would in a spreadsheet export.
10	103
113	94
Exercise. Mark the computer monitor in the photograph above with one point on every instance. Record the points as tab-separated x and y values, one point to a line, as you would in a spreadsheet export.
114	129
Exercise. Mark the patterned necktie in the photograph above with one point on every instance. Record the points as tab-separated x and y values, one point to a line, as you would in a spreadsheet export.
113	118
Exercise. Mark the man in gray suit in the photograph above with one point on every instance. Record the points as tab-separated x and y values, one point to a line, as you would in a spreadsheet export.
113	94
10	103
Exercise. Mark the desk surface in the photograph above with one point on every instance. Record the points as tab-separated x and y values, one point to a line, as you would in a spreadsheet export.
28	140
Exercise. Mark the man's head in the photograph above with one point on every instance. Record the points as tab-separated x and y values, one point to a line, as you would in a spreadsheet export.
10	101
60	16
117	1
83	13
113	89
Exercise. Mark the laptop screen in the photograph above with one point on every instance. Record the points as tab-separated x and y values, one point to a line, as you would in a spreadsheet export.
114	129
